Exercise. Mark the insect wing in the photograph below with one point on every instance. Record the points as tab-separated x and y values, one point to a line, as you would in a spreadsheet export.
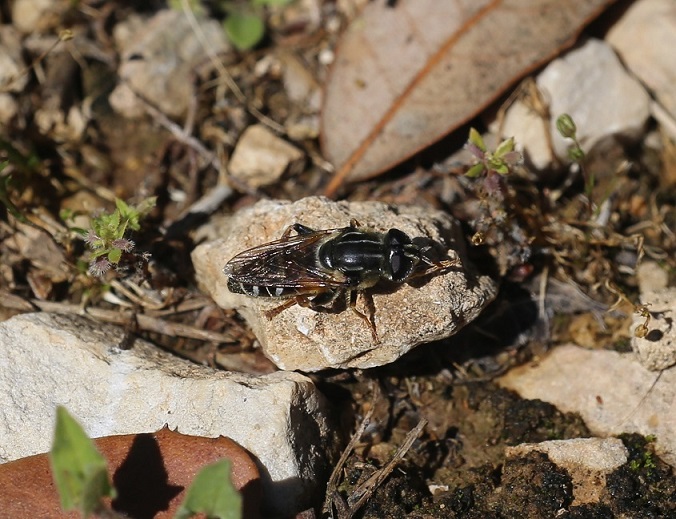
287	263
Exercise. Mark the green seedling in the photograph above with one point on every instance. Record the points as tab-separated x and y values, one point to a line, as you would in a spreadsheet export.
245	25
500	162
107	237
212	494
79	470
568	130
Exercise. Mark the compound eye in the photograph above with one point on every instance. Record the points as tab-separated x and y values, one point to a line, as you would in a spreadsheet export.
400	265
400	261
396	238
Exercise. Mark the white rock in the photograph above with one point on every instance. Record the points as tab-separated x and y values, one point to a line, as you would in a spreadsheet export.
13	76
27	14
651	277
657	350
587	460
261	158
51	359
666	121
645	39
299	83
405	315
8	108
612	392
158	60
590	84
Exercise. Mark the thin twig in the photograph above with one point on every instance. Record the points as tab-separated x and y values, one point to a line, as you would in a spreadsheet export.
332	486
145	322
179	133
64	35
368	487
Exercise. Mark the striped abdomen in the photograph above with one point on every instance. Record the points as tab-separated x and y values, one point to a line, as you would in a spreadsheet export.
262	290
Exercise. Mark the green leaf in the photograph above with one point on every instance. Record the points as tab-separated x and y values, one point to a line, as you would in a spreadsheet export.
244	30
505	147
475	170
476	139
112	224
501	168
80	472
146	206
78	230
114	255
122	207
576	154
212	493
97	253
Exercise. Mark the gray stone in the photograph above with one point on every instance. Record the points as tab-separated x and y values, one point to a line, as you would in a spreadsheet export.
587	460
645	39
49	359
261	158
159	56
612	392
405	315
12	72
590	84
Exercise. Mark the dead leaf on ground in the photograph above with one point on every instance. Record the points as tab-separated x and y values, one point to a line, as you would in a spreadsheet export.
407	75
150	472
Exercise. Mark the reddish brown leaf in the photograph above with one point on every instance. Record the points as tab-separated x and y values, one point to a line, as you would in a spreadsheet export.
407	75
150	472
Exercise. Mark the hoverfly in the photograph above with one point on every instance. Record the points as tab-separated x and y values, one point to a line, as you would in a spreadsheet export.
315	267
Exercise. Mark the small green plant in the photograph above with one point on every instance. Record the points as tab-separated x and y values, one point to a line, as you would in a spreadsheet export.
79	471
212	493
500	162
244	25
492	167
107	238
568	130
647	462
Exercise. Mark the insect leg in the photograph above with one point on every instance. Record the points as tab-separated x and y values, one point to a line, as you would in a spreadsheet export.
269	314
319	301
299	228
323	299
370	307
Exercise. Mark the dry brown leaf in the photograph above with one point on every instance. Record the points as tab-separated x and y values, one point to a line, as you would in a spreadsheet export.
407	75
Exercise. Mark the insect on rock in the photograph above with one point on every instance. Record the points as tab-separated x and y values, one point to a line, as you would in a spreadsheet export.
313	268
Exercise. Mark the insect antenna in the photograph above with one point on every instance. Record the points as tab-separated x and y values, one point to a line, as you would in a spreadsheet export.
429	266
